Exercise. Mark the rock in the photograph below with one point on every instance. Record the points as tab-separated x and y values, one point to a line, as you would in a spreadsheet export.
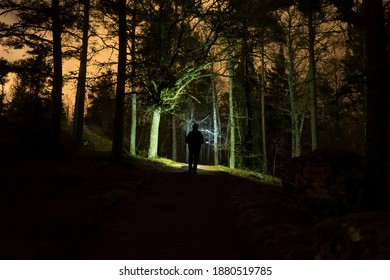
335	174
282	241
354	236
251	217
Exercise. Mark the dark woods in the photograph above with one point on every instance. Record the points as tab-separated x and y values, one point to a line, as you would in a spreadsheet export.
271	83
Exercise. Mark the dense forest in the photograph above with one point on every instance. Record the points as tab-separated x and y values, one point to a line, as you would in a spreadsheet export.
267	81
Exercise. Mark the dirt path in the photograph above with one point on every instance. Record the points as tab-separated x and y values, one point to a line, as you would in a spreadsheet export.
90	208
84	206
176	216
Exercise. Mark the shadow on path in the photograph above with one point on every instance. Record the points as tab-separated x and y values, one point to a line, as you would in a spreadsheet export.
177	215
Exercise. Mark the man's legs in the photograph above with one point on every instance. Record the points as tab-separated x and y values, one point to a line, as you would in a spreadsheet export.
190	158
196	158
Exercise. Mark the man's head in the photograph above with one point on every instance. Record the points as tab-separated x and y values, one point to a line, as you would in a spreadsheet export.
195	126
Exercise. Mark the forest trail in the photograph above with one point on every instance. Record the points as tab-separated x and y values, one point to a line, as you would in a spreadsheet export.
176	215
84	206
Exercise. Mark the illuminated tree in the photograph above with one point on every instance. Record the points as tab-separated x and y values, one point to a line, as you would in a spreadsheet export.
133	129
292	30
169	97
248	27
232	121
216	119
315	13
172	57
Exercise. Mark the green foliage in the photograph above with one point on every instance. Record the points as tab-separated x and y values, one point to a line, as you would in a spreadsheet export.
252	175
167	162
171	53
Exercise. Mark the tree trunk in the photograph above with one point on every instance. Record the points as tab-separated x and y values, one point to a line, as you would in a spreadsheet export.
312	82
296	129
174	139
117	143
56	94
215	120
189	128
376	189
78	118
232	158
245	88
133	129
294	114
298	135
154	131
263	134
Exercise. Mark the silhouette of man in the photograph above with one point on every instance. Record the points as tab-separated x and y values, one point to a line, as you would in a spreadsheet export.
194	139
